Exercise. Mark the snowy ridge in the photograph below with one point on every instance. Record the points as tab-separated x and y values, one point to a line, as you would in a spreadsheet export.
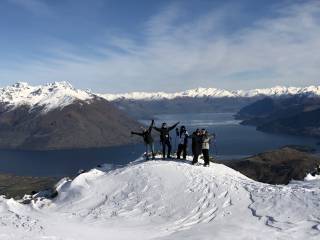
60	94
166	200
215	93
49	96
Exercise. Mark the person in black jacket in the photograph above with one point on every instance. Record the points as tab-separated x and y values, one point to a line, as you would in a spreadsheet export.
165	138
196	145
148	139
183	142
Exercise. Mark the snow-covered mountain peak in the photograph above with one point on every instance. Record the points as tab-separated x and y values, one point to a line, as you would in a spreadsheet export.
207	92
48	96
20	85
60	85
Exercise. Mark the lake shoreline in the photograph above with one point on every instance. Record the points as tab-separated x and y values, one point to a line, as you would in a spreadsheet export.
234	141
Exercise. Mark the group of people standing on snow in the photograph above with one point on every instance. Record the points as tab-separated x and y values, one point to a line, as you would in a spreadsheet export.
200	141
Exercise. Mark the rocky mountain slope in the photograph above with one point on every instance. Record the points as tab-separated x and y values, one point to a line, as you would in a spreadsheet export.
297	115
57	116
17	186
277	166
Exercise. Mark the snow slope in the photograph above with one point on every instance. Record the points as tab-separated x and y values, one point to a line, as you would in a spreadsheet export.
167	200
215	93
49	96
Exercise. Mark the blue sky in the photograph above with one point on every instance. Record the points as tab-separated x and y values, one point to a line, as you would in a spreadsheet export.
149	45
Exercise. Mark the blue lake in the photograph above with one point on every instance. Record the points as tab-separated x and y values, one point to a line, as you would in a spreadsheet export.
65	162
234	141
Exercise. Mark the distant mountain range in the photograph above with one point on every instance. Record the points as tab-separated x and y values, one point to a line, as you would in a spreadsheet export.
58	116
215	93
291	110
146	105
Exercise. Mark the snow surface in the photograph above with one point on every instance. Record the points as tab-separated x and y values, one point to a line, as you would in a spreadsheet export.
48	97
215	93
309	177
164	199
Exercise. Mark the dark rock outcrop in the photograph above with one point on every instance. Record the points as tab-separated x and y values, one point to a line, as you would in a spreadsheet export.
17	186
278	166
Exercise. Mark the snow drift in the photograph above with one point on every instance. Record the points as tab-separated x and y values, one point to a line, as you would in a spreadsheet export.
166	200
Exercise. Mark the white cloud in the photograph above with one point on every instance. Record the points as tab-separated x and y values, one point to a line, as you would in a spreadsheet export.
177	53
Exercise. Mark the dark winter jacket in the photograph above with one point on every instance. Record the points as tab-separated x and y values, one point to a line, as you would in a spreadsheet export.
164	132
147	136
196	143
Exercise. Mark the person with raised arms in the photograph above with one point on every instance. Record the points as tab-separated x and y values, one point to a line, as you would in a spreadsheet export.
148	139
165	138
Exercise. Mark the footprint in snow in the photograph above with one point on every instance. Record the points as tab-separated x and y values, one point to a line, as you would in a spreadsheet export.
223	195
227	203
132	195
210	212
205	205
202	199
145	189
316	227
211	195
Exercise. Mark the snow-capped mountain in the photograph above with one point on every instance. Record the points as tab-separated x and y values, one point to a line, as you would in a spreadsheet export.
48	97
61	94
215	93
167	200
58	116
